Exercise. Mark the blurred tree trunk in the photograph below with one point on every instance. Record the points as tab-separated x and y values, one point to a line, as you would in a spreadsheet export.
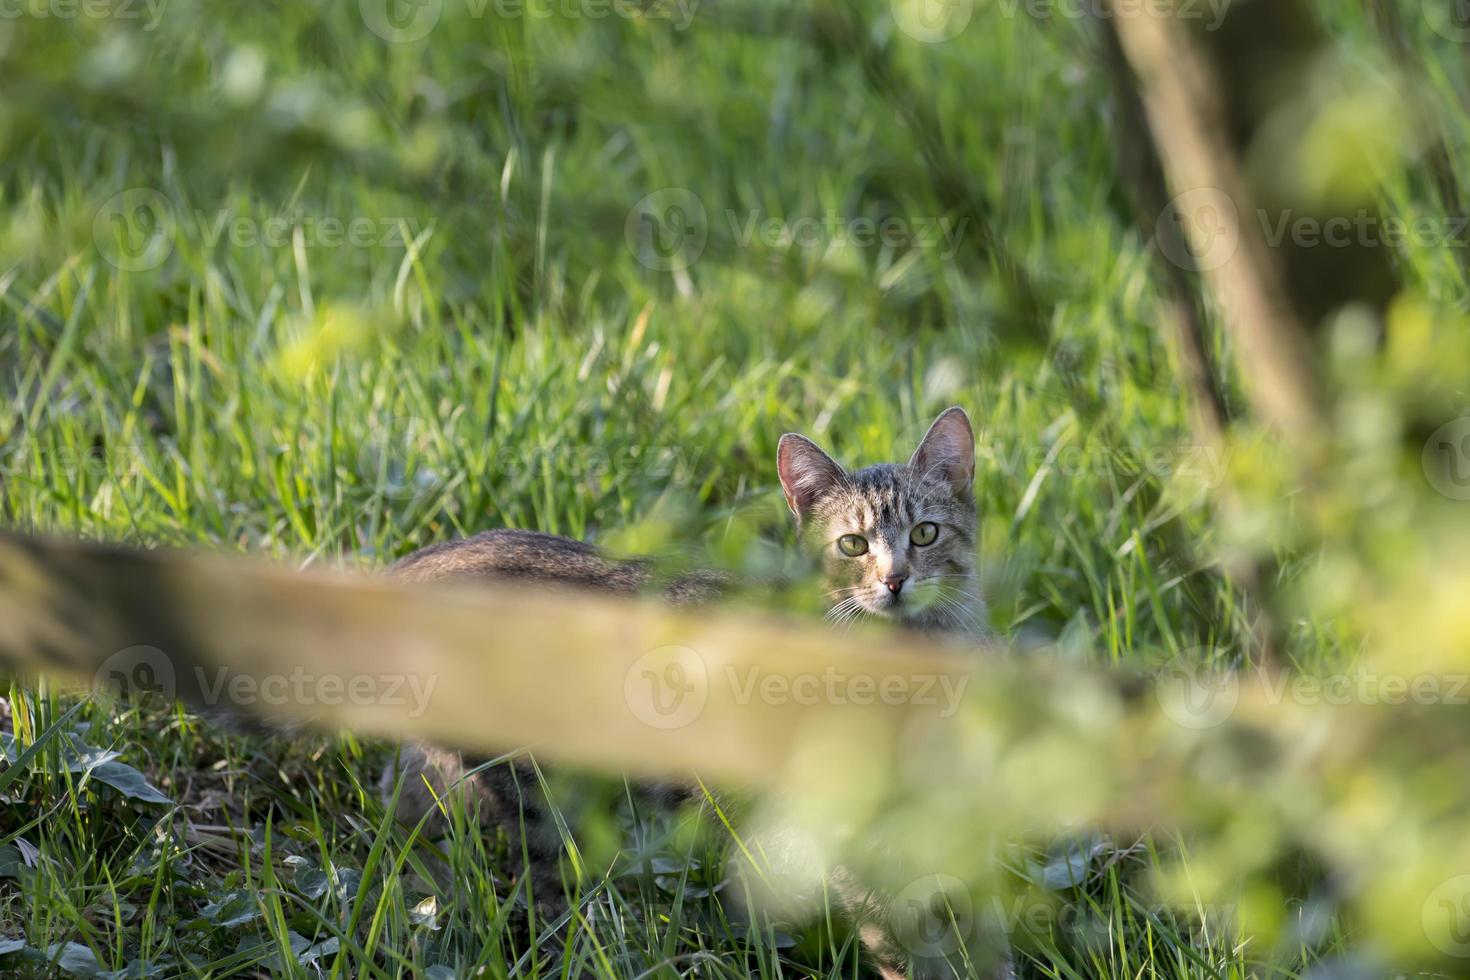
1142	174
1209	123
1264	59
1143	178
1226	107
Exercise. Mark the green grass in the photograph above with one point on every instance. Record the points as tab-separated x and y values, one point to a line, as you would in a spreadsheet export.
492	353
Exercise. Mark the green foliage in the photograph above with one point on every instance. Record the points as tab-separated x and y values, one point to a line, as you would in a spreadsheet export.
271	282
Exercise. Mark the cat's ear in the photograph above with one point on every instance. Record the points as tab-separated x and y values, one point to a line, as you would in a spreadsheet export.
806	472
948	451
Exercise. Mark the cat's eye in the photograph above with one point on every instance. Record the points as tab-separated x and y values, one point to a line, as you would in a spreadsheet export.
924	534
852	545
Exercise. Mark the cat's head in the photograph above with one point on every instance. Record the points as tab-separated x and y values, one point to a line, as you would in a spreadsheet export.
895	540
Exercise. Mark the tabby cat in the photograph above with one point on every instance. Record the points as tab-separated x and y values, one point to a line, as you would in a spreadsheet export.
895	542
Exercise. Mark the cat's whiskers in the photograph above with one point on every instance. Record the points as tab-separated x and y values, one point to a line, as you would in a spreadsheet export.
966	618
957	606
842	615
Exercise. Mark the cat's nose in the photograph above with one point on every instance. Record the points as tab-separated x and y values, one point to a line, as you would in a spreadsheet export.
895	583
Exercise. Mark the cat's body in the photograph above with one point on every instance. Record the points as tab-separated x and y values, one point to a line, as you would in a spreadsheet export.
551	560
508	795
895	541
508	554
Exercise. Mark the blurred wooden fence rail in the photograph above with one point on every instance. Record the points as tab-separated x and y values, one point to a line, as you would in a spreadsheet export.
606	683
868	728
585	679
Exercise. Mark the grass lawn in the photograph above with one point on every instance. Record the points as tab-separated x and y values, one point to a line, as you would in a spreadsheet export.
274	282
